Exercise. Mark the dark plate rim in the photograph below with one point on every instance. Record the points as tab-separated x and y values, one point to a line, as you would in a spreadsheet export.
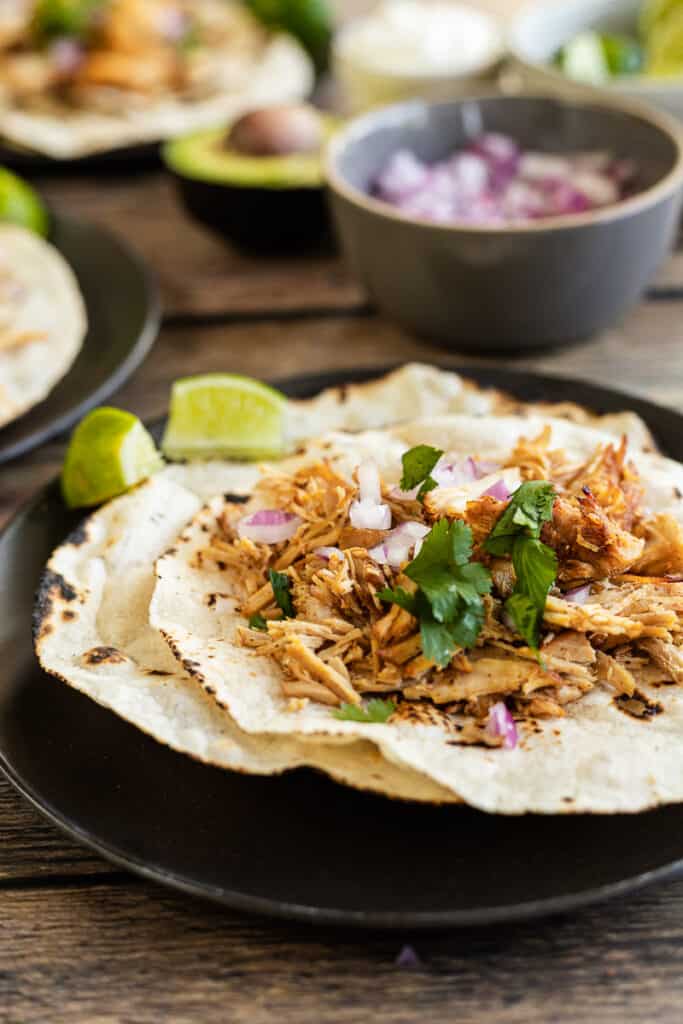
117	158
138	351
395	920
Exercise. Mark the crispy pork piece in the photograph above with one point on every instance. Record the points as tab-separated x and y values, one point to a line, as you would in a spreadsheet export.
663	547
613	482
588	544
488	675
614	674
666	656
534	459
596	620
570	646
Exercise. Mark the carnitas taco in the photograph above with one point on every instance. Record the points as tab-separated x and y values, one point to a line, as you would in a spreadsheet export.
496	603
79	77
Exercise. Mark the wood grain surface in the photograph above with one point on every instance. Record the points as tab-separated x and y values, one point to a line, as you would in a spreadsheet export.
82	942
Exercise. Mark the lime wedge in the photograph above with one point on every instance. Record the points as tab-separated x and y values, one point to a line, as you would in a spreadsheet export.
224	415
20	204
584	59
109	452
624	55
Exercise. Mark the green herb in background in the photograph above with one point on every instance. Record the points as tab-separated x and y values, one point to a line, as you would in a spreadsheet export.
376	712
310	21
418	464
258	622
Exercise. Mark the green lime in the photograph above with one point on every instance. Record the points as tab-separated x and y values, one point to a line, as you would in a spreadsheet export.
224	415
310	21
20	204
109	452
624	55
665	46
583	58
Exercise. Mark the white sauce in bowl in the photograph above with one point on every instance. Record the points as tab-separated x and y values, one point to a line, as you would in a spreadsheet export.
409	37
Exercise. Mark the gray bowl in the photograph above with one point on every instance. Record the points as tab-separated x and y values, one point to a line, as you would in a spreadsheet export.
539	283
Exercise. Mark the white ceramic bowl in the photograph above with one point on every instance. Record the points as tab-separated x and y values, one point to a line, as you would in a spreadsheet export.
540	29
368	79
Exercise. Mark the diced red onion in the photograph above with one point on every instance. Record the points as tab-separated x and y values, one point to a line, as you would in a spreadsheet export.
366	515
327	552
491	181
501	723
400	495
579	595
66	55
369	512
368	482
471	173
268	526
174	24
403	175
502	156
485	467
395	549
408	958
498	491
450	473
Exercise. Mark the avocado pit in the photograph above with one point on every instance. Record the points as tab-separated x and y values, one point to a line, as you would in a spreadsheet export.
277	131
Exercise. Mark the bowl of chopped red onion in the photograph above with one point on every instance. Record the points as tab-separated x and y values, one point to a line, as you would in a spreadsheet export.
507	221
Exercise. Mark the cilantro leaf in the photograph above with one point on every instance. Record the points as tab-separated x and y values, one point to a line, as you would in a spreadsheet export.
530	507
442	572
375	712
418	464
400	597
536	569
448	602
258	622
517	533
524	614
280	583
439	639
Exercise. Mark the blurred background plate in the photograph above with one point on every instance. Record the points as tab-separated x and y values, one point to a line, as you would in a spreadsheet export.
541	27
123	321
300	846
26	161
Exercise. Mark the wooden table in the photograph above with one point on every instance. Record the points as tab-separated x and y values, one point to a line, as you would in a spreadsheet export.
83	942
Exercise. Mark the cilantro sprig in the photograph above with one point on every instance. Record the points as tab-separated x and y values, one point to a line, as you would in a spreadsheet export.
258	622
418	464
281	583
448	600
375	712
517	533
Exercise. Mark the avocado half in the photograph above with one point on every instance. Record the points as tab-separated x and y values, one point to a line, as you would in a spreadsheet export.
257	202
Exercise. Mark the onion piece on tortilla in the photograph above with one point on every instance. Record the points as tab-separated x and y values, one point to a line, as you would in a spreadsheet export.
268	526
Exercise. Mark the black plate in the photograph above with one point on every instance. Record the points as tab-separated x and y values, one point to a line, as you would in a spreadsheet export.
300	846
27	161
123	313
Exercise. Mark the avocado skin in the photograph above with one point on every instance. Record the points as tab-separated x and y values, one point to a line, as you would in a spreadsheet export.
258	219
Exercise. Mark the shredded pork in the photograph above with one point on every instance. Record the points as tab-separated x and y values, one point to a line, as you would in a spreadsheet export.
344	642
